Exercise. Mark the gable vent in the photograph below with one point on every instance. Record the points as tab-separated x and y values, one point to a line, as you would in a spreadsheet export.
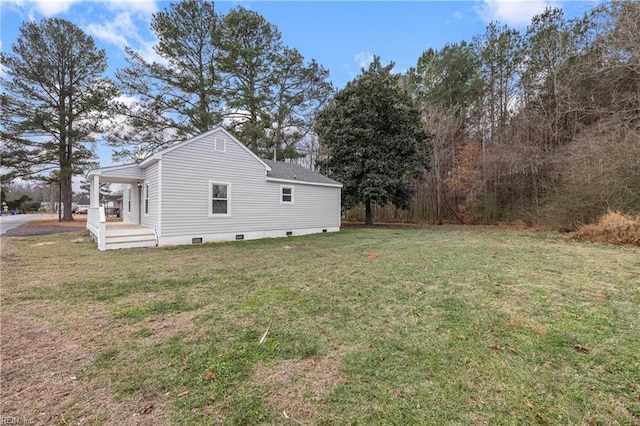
221	144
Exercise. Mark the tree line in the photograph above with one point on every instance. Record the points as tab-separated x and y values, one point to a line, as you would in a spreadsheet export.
537	126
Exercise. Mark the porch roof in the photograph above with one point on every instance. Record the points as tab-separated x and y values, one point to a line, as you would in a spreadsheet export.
125	173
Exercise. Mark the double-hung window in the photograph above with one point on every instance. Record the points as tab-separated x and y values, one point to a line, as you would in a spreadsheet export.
220	199
286	194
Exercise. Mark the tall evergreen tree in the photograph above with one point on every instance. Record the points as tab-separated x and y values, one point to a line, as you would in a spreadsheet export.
271	95
178	97
249	48
231	68
501	54
373	138
53	98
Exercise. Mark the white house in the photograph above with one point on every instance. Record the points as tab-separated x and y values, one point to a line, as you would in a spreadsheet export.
212	188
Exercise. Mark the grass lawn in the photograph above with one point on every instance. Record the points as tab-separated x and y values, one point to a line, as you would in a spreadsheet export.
439	325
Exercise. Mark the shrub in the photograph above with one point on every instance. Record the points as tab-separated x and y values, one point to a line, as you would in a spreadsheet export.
613	228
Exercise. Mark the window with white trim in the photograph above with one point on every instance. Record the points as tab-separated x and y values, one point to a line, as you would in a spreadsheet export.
286	194
220	144
220	199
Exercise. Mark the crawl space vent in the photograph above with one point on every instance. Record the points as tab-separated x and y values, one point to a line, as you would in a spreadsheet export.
196	240
239	237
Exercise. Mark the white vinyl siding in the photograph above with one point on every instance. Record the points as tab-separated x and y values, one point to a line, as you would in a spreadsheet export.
255	204
150	208
127	200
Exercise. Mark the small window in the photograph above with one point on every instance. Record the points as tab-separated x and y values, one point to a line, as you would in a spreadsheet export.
221	144
286	195
129	201
146	199
220	194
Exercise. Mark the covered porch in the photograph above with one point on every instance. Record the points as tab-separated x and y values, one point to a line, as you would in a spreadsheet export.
130	232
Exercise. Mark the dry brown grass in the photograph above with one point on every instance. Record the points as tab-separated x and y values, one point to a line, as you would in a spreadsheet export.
300	387
51	221
613	228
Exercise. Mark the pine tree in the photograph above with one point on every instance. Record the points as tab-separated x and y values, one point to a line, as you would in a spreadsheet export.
53	99
271	94
179	97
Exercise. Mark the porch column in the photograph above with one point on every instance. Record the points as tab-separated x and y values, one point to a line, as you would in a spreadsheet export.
94	192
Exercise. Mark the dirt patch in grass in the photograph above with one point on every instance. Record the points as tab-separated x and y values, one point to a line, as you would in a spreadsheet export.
48	225
51	225
300	388
168	327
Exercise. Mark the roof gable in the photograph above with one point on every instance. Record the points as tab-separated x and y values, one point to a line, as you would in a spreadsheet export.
180	145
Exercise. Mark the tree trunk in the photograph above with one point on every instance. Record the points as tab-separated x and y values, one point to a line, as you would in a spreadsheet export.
66	193
368	213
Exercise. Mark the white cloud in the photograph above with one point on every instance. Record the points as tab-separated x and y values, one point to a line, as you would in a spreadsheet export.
148	53
115	31
513	12
53	7
122	31
363	59
144	6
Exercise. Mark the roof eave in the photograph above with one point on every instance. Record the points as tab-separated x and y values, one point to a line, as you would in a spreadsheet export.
304	182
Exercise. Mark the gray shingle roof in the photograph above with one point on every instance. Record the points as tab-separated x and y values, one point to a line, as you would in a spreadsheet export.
291	171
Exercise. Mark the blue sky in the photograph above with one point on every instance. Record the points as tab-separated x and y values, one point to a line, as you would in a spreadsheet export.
341	35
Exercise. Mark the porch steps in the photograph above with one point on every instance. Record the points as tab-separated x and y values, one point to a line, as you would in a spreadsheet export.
129	238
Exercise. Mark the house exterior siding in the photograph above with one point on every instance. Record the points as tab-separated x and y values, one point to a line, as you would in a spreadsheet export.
151	178
127	197
254	202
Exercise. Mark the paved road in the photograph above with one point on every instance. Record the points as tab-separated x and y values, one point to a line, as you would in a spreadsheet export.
10	222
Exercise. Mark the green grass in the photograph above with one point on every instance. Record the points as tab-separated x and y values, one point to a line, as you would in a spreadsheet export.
444	325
